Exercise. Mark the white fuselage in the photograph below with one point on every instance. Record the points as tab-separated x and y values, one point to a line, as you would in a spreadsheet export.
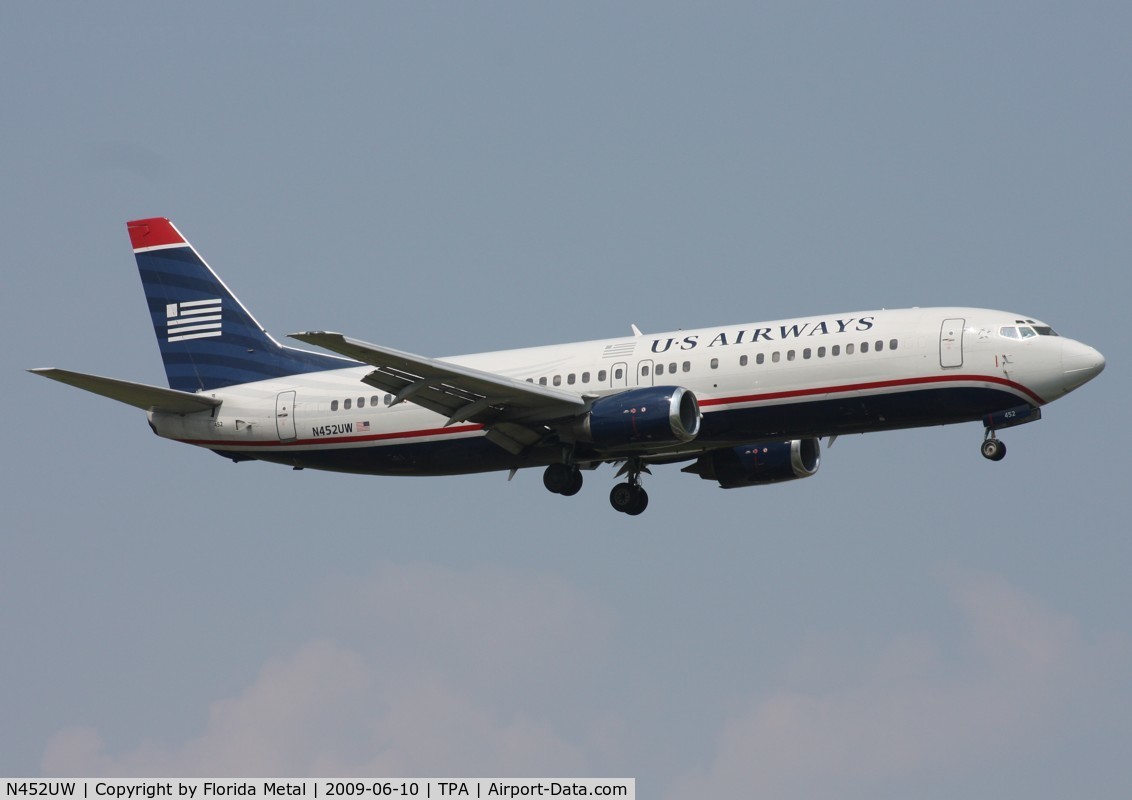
813	376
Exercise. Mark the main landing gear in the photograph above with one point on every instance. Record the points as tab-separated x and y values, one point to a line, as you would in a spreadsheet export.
563	479
628	497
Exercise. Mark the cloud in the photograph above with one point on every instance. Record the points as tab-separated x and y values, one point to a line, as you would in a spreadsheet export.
911	711
420	669
427	670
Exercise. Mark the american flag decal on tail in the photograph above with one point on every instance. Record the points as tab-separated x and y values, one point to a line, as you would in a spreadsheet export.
193	319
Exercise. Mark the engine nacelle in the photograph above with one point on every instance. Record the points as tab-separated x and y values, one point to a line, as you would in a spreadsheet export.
756	464
649	415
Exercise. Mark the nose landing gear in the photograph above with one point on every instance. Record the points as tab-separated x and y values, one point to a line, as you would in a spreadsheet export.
993	449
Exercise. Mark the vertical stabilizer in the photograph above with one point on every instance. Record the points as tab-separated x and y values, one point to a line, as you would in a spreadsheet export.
208	339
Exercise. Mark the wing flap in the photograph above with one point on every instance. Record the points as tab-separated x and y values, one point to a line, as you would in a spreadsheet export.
139	395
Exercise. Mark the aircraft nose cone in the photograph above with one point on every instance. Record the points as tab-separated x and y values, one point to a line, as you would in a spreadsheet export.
1080	363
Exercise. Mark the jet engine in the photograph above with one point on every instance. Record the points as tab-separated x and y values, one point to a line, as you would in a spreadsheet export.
756	464
650	415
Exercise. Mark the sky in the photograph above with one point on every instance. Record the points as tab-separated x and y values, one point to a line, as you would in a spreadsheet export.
455	178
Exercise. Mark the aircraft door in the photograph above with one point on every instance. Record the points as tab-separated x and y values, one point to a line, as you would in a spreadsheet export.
951	343
645	373
619	376
285	415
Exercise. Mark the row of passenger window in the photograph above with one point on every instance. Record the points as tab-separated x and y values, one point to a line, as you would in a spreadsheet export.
375	400
618	374
760	358
661	369
820	352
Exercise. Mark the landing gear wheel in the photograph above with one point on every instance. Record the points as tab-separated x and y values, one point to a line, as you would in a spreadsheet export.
575	484
641	504
993	449
558	478
628	499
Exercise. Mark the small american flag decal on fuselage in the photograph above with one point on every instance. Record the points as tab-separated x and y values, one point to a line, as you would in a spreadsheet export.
193	319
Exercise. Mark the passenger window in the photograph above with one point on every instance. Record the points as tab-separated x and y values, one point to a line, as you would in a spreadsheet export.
671	367
878	346
644	370
570	379
864	347
891	344
760	358
821	352
848	349
333	405
789	355
601	376
530	380
776	356
361	402
375	400
806	353
557	380
659	369
346	404
687	366
618	373
388	399
742	361
542	381
715	363
835	350
585	377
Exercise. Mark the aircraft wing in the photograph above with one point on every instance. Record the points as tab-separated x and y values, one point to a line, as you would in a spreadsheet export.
507	407
140	395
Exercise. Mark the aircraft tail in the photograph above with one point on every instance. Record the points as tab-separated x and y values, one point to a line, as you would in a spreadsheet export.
208	339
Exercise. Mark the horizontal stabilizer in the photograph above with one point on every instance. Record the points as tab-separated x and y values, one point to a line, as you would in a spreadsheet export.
141	395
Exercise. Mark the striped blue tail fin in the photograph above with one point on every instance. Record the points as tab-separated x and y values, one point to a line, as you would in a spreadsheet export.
208	339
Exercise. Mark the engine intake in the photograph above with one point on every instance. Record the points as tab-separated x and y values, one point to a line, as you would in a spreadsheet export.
758	464
653	414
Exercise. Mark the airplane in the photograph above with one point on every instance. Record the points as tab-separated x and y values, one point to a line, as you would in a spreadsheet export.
743	405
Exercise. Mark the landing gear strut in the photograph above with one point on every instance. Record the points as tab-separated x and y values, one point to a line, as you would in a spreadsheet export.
992	447
630	497
563	479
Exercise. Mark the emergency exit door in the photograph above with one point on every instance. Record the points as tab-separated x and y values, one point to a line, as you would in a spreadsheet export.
285	415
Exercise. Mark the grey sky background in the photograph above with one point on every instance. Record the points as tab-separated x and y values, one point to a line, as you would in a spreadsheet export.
451	178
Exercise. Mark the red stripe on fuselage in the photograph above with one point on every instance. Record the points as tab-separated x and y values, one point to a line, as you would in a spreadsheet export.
870	386
376	437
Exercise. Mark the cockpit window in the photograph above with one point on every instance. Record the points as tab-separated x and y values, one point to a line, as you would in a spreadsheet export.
1026	331
1045	330
1009	331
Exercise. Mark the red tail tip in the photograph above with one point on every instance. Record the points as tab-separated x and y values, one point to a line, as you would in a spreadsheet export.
153	233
